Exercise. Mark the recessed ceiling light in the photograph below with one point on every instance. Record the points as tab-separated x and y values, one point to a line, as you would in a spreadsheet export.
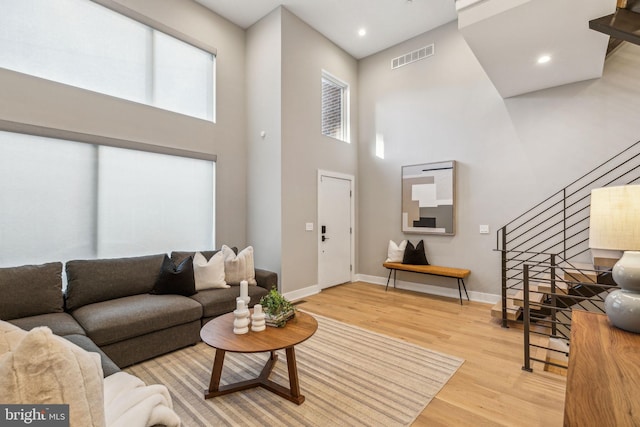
544	59
362	32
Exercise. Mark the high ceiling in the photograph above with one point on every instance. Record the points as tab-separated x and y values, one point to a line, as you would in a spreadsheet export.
507	36
387	22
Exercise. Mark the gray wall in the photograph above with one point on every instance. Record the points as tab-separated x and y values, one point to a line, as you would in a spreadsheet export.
305	53
39	102
441	108
264	114
510	153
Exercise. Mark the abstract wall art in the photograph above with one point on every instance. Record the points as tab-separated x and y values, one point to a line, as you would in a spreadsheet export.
428	198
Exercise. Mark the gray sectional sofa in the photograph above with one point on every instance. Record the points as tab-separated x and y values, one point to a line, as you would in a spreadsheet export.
108	307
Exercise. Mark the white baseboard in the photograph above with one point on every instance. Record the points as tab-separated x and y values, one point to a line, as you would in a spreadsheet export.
430	289
302	293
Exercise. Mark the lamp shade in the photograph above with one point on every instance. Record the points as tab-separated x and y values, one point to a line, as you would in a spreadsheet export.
615	218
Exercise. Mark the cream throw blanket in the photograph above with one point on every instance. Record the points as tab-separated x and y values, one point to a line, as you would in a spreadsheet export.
38	367
128	402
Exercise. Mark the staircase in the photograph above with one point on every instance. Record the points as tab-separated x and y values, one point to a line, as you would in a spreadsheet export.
547	325
547	268
622	25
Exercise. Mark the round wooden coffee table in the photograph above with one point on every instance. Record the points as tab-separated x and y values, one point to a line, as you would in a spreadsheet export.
218	333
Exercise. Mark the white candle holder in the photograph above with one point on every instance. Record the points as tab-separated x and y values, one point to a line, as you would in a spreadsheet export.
257	319
245	300
241	321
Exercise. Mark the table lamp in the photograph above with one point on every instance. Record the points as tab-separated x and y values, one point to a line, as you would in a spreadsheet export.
615	225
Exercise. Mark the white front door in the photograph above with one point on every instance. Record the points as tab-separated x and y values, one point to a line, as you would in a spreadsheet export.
335	229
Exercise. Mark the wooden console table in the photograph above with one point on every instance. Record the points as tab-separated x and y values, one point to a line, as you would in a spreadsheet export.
603	382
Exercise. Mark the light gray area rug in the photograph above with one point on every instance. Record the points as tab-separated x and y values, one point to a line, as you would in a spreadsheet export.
349	376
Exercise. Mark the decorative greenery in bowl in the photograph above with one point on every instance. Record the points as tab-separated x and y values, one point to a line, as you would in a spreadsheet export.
277	309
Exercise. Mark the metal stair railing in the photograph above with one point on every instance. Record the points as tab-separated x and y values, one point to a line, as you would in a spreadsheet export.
559	225
551	319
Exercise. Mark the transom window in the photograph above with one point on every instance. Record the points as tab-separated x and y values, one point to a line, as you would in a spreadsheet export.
335	108
86	45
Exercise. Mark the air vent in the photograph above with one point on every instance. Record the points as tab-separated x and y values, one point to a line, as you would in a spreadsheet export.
413	56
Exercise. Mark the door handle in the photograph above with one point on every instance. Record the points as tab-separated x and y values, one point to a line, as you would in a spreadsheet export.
324	238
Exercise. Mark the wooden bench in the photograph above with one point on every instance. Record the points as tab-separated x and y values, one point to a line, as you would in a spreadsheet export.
456	273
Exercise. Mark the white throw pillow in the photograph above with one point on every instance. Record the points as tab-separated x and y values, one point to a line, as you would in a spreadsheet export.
209	274
395	253
46	369
239	267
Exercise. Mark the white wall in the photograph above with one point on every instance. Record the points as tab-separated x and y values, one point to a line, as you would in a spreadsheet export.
264	114
305	53
43	103
510	153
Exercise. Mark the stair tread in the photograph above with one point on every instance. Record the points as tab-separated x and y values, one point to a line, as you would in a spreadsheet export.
575	273
535	297
578	265
513	311
561	287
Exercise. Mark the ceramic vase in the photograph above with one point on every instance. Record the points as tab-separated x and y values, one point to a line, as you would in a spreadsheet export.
241	320
257	319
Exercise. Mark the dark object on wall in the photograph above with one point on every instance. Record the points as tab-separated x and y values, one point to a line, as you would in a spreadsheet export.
425	222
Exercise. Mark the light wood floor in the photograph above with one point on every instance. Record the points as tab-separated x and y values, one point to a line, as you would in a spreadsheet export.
490	389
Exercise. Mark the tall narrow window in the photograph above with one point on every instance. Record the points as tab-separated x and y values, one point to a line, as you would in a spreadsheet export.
335	108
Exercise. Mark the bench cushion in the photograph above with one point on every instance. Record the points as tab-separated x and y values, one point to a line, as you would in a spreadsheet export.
116	320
